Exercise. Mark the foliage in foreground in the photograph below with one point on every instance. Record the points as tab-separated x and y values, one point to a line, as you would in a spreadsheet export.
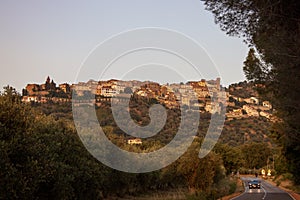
42	157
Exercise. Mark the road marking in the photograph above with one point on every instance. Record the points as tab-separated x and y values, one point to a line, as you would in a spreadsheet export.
247	190
291	196
264	192
239	195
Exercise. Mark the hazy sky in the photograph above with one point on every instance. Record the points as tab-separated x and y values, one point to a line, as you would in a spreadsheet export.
41	38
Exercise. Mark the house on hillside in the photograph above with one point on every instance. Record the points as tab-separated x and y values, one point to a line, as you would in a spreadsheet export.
29	99
108	91
252	100
65	87
137	141
267	104
251	111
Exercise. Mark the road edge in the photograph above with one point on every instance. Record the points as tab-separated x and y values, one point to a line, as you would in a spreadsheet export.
293	195
240	194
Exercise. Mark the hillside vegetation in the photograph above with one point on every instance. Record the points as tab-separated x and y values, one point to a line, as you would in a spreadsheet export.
43	157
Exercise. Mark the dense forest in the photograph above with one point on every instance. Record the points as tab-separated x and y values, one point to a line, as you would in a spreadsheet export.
42	156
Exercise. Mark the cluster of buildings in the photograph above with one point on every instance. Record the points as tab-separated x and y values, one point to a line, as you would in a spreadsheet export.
194	94
248	107
198	95
46	92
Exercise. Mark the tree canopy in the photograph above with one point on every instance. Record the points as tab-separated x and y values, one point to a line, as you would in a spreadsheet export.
272	30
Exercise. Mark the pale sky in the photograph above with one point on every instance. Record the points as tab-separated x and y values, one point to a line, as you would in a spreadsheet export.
41	38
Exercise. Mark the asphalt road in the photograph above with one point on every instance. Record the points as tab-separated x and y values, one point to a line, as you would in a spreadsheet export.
267	192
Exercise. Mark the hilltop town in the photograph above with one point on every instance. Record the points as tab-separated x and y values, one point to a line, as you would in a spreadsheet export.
241	100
